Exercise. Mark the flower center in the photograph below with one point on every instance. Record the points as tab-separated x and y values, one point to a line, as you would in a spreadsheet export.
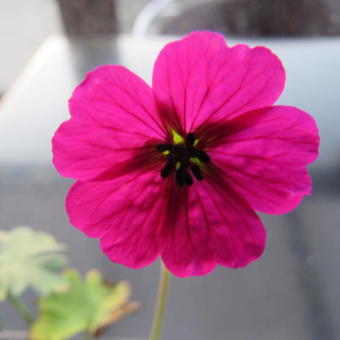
184	157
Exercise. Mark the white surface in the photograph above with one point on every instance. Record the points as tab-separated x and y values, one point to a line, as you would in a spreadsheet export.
37	102
24	25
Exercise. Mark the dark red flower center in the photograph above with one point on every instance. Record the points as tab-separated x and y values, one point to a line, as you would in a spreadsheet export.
185	158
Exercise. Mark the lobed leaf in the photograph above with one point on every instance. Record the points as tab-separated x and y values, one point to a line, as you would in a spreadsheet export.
29	258
84	305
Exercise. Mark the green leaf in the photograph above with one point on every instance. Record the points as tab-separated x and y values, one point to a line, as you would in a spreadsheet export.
29	258
85	305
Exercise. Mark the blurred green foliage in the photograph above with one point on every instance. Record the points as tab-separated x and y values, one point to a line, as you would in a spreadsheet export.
29	259
67	304
85	305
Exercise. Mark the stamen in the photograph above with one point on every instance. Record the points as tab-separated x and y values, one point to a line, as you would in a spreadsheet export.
164	147
177	138
190	140
165	172
202	156
184	158
196	171
183	177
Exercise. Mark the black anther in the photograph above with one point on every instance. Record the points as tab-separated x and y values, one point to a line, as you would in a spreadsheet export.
165	172
164	147
196	171
190	139
183	177
202	156
180	156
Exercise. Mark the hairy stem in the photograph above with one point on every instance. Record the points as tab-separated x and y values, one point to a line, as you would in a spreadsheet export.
21	308
161	304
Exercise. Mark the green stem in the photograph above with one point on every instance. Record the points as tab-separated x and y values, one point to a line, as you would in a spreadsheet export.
161	304
21	308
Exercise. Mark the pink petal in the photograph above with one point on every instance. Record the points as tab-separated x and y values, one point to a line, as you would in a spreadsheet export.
199	79
127	214
211	224
264	154
113	118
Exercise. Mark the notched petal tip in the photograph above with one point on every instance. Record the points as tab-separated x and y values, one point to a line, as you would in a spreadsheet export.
199	79
211	225
214	39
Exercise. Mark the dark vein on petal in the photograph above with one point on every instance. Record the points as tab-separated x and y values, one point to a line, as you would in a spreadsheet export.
133	99
116	103
208	226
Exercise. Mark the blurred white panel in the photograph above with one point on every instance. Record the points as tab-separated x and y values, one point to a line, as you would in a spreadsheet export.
24	24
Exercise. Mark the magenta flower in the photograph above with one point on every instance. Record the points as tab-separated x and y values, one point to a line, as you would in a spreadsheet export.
178	170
